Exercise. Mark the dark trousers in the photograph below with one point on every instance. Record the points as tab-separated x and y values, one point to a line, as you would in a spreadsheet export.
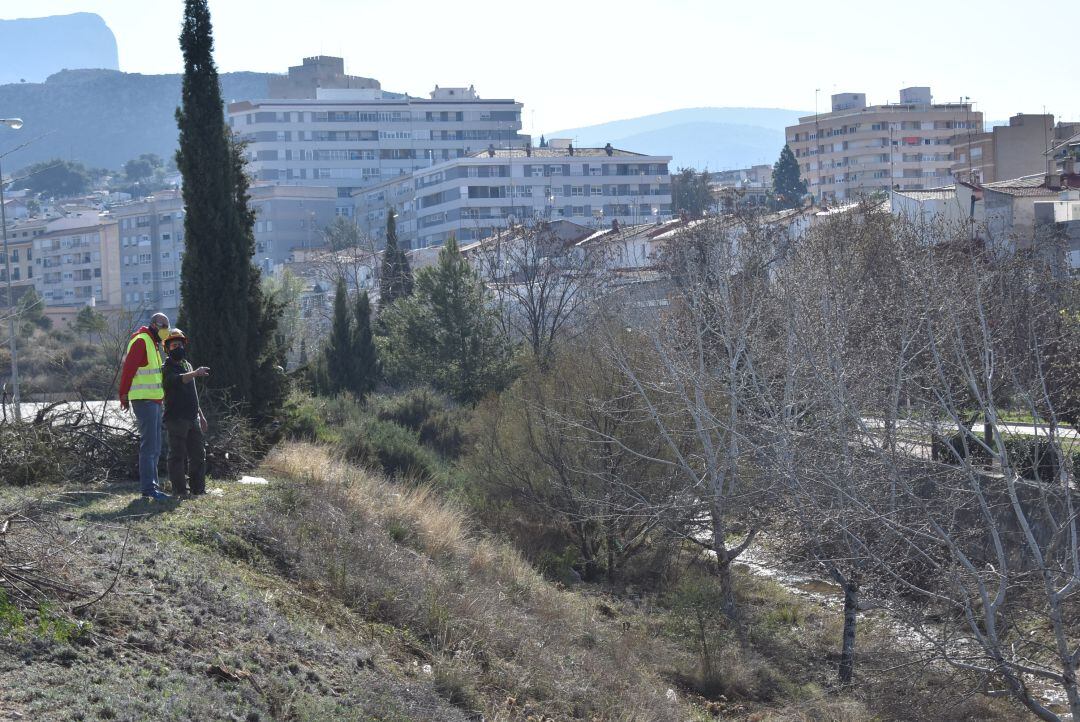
187	456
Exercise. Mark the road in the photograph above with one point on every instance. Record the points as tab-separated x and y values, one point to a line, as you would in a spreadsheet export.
114	415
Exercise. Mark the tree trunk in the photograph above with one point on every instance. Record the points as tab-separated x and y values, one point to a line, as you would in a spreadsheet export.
847	649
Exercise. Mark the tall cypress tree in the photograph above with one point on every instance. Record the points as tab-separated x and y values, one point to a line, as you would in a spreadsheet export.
338	350
222	304
364	356
788	185
396	279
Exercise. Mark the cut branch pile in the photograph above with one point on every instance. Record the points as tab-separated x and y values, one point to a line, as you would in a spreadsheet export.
42	557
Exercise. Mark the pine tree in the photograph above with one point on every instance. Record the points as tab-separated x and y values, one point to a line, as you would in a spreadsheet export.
338	350
222	304
788	185
396	279
446	333
364	356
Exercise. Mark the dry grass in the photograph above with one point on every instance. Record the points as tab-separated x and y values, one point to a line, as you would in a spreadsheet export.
403	557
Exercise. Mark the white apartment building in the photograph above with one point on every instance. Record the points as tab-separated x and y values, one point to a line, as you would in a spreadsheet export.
475	196
858	148
351	138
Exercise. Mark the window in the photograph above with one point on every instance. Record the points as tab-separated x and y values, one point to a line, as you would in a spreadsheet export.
577	190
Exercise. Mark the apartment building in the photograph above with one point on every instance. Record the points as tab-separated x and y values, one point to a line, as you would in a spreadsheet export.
857	148
77	262
151	247
757	176
475	196
352	138
20	243
1006	151
290	218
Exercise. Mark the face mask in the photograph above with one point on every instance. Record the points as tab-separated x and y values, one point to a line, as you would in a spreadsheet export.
178	353
163	333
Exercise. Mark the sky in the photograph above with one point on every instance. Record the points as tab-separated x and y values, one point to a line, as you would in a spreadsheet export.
576	63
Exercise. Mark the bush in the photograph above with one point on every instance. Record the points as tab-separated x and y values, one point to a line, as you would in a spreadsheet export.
431	416
303	419
951	450
410	409
1033	459
394	448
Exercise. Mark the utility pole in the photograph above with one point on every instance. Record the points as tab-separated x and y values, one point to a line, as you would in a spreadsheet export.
14	124
817	141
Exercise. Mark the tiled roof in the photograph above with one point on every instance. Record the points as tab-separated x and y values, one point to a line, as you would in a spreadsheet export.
944	193
1028	185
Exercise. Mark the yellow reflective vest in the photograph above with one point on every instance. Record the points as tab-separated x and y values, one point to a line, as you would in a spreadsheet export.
147	382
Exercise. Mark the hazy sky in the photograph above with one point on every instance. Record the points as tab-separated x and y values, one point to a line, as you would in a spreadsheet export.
589	61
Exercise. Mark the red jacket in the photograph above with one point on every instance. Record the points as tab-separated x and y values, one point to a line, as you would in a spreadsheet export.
135	360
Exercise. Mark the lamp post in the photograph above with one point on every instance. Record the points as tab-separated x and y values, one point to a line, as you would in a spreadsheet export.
14	124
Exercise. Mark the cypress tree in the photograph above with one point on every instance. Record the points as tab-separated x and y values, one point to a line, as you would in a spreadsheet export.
222	304
338	351
396	280
364	356
788	185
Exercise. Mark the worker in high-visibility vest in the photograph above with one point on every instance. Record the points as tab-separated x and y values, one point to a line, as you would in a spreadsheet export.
141	391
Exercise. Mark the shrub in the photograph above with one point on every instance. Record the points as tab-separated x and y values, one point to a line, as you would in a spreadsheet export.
951	449
304	419
396	448
410	409
430	415
1034	459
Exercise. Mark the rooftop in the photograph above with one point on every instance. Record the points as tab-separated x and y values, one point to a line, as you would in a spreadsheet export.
944	193
1028	185
560	153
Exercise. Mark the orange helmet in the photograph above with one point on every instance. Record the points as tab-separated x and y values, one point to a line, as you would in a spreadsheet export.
175	333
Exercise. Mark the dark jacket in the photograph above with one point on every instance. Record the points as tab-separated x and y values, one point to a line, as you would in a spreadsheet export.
181	400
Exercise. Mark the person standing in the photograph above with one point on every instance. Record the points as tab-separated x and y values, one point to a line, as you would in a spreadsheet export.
142	392
184	419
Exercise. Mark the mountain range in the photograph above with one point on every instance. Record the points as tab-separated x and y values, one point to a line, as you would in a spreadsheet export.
712	138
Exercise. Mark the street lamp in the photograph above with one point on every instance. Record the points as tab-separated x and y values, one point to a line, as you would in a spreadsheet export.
14	124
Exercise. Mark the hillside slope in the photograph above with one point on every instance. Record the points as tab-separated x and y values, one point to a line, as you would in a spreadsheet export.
327	595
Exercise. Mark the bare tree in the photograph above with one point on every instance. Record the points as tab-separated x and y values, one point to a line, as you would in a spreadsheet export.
542	282
976	550
697	382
